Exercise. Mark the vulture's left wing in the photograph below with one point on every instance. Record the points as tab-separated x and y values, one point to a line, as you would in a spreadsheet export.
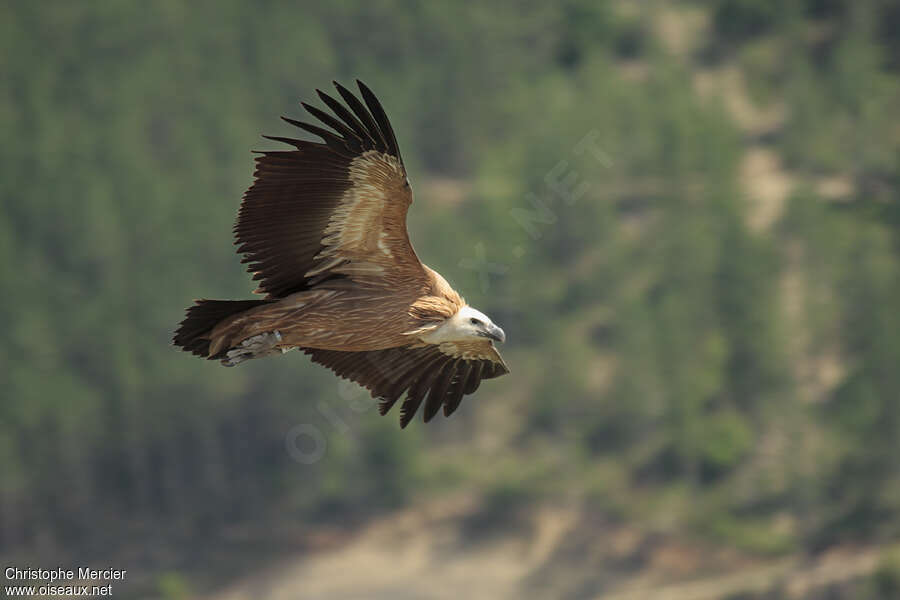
331	210
438	375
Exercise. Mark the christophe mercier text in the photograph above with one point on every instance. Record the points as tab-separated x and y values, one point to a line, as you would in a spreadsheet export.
57	576
51	575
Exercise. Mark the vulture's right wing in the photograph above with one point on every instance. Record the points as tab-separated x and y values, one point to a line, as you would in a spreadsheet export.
332	210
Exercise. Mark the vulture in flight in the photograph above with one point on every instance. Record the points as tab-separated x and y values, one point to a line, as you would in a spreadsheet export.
323	230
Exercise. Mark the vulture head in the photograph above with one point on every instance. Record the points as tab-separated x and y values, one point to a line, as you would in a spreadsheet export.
466	325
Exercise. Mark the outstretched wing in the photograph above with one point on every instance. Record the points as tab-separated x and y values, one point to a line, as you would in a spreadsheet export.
330	210
439	376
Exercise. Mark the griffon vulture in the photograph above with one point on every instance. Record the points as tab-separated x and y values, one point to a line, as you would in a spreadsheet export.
323	228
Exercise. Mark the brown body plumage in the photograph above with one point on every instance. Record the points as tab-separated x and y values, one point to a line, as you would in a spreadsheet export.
324	230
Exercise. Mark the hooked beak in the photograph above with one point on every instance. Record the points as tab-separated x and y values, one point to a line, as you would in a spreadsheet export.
496	334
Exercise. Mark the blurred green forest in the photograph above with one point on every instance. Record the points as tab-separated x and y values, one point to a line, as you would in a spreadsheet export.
689	350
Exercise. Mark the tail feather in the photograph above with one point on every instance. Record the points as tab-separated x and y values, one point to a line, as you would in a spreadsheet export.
192	333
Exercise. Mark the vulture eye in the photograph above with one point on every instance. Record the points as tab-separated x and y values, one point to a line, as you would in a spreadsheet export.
474	321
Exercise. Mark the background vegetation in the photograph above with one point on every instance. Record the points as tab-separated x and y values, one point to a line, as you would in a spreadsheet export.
697	345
